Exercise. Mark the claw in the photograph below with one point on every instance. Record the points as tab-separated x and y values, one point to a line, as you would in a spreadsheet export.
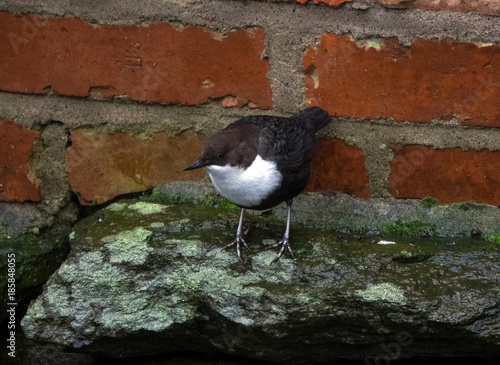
284	244
285	241
238	241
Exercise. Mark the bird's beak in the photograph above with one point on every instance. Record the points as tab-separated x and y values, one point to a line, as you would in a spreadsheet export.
195	165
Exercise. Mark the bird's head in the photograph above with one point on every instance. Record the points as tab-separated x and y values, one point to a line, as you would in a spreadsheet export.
217	150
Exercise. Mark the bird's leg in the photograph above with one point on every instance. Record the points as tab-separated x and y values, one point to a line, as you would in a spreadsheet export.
285	241
239	239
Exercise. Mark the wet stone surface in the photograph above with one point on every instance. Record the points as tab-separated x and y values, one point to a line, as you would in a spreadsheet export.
29	260
144	278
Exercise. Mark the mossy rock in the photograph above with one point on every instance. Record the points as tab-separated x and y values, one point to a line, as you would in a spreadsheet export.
415	228
147	278
36	258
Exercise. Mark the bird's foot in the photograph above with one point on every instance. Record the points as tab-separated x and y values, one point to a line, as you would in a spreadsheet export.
284	244
238	241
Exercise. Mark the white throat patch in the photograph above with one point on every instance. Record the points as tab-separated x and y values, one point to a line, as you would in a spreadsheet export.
248	187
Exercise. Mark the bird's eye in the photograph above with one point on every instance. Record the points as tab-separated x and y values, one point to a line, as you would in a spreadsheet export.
221	155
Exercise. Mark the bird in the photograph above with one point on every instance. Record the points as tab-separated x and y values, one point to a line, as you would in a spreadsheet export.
260	161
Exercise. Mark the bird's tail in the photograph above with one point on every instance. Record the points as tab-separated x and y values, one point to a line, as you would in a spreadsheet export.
313	118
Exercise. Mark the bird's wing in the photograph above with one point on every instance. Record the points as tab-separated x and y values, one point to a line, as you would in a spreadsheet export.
281	139
285	141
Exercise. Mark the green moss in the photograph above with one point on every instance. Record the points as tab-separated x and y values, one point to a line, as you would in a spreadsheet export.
463	206
428	202
3	231
116	207
414	228
219	203
17	241
493	238
224	203
188	248
209	202
36	258
146	208
160	197
382	292
279	272
129	246
23	244
157	225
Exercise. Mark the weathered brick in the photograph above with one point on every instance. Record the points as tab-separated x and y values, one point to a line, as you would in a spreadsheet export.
334	3
449	175
340	167
17	180
491	7
102	166
381	78
153	62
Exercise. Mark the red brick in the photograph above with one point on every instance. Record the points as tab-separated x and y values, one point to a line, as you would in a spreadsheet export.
102	166
381	79
334	3
449	175
154	62
340	167
17	180
491	7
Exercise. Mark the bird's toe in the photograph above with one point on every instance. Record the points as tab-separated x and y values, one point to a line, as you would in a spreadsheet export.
284	243
238	242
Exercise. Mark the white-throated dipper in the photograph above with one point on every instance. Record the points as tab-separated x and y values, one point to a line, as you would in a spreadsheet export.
260	161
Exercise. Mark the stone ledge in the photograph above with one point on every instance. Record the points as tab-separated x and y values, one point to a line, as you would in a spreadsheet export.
342	212
155	276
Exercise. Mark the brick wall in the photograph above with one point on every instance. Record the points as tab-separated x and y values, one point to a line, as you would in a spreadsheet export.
129	94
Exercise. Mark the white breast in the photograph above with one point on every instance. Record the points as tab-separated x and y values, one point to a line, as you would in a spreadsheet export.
248	187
